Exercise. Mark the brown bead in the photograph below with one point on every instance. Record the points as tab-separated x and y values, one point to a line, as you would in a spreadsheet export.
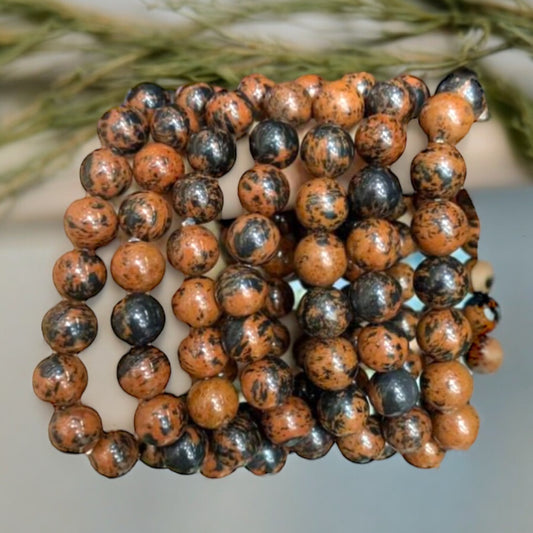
362	82
123	129
446	117
192	98
280	299
213	468
156	167
192	250
160	420
405	322
353	271
485	355
281	264
414	363
373	244
230	371
138	266
171	126
381	349
289	102
446	386
255	88
212	402
74	429
321	204
143	372
408	432
115	454
482	312
430	455
364	446
339	103
320	259
152	456
391	98
90	222
407	243
457	430
198	197
403	274
380	139
60	379
228	110
195	304
444	334
201	354
288	422
312	84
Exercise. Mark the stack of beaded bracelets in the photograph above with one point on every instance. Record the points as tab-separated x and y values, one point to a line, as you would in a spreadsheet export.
390	298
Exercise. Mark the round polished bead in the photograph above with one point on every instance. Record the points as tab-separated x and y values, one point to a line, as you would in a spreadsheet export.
390	98
146	97
481	274
381	349
143	372
457	430
305	389
194	302
339	103
485	355
74	429
115	454
123	129
170	125
404	274
315	444
212	151
156	167
409	431
255	88
311	83
192	98
440	282
414	363
430	455
212	402
407	243
362	82
393	393
289	102
69	327
151	456
197	197
418	92
280	298
483	313
404	322
274	142
229	111
138	319
186	455
79	275
104	173
145	215
281	264
60	379
268	459
90	222
365	445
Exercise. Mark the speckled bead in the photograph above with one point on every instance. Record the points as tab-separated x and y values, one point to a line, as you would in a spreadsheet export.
281	264
365	445
60	379
321	204
404	274
485	355
457	430
212	402
195	304
170	125
380	139
323	312
362	82
438	171
137	266
407	243
90	222
123	129
280	298
146	97
446	386
151	456
375	297
143	372
481	275
393	393
79	275
115	454
483	313
418	92
446	117
374	192
197	197
305	389
445	334
464	201
268	459
229	111
339	103
430	455
241	290
343	412
404	322
186	455
213	468
75	429
192	250
160	420
439	227
255	88
408	432
381	349
212	152
311	83
414	363
315	444
192	98
145	215
273	142
289	102
320	259
69	327
104	173
156	167
389	98
263	189
138	319
330	364
252	239
286	424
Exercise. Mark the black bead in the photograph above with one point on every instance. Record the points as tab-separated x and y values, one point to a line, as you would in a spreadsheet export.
170	125
186	455
305	389
393	393
315	444
212	151
268	459
198	197
151	95
274	142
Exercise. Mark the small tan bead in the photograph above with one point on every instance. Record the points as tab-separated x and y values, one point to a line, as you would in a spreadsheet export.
457	430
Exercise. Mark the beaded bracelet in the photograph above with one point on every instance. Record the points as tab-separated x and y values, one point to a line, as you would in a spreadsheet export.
390	298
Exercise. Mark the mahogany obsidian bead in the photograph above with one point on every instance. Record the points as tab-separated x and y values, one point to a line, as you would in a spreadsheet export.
409	431
143	372
343	412
138	319
485	355
365	445
305	389
483	313
229	111
281	264
393	393
380	348
186	455
327	151
418	92
123	129
151	456
145	97
289	102
315	444
255	88
414	363
457	430
194	302
374	192
212	151
213	468
268	459
375	297
79	274
115	454
170	125
192	99
273	142
324	312
390	98
404	274
69	327
430	455
280	298
338	103
362	82
198	197
440	281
